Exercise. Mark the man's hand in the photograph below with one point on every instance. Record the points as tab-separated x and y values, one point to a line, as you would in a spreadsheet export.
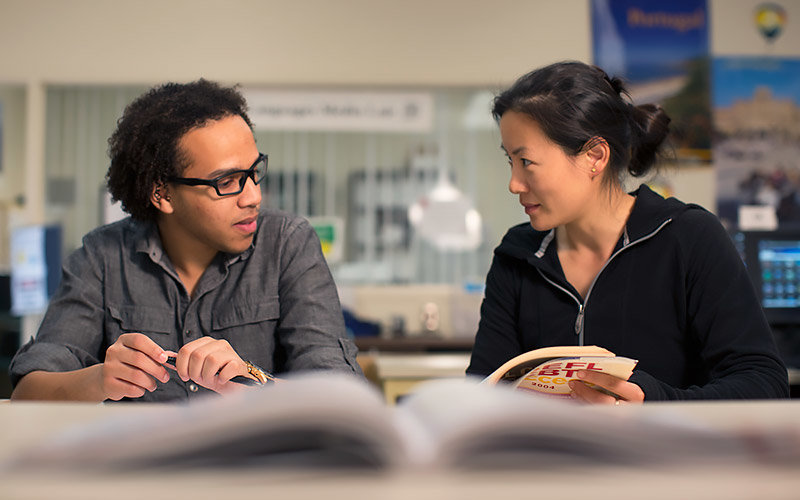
625	391
211	363
132	365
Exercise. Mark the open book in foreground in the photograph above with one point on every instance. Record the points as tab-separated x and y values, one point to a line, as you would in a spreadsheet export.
339	420
549	370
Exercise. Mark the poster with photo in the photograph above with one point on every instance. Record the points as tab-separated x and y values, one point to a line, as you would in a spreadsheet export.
661	50
757	135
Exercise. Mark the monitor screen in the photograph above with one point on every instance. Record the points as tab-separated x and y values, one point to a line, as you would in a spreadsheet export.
773	263
780	273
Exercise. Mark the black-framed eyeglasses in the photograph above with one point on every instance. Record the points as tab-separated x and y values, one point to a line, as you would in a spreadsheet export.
232	182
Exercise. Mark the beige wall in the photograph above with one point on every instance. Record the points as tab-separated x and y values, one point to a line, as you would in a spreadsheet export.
409	42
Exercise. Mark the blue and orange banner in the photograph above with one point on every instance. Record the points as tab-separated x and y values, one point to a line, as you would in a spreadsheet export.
661	50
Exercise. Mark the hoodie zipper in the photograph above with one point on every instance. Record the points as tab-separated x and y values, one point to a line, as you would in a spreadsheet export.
579	323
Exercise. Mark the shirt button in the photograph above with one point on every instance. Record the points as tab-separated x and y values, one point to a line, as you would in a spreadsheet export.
188	333
193	387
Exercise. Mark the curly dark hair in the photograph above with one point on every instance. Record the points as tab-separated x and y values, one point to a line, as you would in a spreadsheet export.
144	148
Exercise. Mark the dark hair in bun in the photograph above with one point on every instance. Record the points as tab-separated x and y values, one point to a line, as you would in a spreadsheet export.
574	102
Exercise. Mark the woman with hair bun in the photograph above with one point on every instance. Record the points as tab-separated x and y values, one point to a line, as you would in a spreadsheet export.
649	278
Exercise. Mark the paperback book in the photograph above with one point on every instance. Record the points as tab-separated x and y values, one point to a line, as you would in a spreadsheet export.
550	369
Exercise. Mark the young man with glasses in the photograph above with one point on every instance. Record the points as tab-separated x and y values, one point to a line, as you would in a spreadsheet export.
199	290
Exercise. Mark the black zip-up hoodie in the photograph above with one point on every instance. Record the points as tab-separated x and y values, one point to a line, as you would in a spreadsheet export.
675	295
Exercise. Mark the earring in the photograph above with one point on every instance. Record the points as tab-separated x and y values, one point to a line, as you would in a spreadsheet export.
594	169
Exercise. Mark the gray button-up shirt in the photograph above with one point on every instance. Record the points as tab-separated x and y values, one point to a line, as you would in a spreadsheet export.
276	303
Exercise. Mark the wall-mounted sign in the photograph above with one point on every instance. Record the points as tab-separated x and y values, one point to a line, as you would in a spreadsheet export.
330	231
770	19
341	111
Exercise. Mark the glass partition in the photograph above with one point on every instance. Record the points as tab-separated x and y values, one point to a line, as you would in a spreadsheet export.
355	183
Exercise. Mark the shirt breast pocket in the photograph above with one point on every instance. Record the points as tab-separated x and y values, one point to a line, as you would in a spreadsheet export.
156	323
250	328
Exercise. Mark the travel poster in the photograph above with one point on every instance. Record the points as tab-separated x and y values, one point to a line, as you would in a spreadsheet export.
660	49
757	135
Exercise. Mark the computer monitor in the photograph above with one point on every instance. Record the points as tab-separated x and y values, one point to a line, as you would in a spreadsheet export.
773	263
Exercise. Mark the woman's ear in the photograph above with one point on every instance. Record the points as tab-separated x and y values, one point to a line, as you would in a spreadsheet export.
160	198
597	154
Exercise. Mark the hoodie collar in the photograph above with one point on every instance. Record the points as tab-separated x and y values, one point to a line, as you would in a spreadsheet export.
650	211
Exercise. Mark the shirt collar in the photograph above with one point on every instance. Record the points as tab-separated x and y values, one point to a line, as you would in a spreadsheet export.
148	241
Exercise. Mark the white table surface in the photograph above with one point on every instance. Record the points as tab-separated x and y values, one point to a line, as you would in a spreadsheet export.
23	424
